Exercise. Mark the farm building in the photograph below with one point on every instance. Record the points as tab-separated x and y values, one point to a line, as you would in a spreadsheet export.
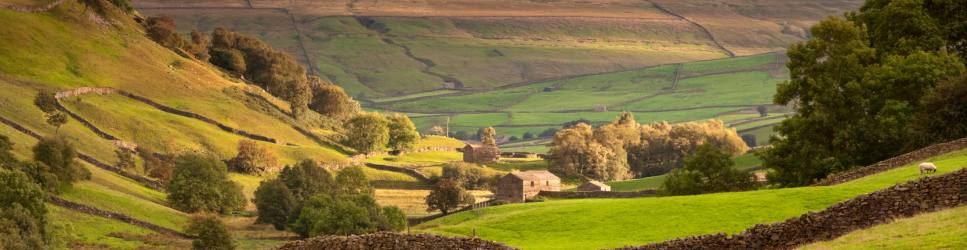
519	186
593	186
480	153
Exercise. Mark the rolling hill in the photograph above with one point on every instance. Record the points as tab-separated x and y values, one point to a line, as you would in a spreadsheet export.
592	223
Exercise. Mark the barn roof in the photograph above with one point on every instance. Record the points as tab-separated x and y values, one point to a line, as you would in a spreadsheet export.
535	175
595	183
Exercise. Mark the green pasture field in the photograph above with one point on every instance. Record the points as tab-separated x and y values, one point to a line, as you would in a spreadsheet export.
592	223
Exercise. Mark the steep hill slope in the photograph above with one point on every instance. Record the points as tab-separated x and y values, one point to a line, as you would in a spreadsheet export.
595	223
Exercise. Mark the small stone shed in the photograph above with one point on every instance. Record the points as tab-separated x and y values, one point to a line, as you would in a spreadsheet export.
519	186
593	186
475	153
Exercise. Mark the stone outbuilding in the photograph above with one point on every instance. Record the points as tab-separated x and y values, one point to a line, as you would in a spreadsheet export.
519	186
593	186
475	153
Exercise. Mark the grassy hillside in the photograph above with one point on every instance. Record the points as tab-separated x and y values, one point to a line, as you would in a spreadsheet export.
592	223
937	230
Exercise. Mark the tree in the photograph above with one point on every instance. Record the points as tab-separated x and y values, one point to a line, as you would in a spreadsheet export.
279	201
514	138
199	45
56	119
528	135
855	91
327	215
468	175
23	212
548	133
58	155
488	136
763	111
352	181
664	146
943	113
200	184
573	123
447	195
402	132
253	158
125	158
46	101
332	101
574	152
230	59
164	31
709	170
209	233
367	132
275	203
393	219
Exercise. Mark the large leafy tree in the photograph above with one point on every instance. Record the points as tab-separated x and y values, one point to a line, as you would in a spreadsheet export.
708	170
23	212
200	184
402	132
209	233
448	195
856	85
367	132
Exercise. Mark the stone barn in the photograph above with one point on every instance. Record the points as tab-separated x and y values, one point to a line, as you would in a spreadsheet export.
592	186
480	153
519	186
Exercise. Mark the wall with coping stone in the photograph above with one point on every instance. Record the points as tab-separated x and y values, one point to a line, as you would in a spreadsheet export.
927	194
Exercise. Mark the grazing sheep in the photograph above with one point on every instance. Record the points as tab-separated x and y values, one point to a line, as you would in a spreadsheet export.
927	167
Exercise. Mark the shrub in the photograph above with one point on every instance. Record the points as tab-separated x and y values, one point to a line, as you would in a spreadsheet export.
367	132
709	170
749	140
393	219
158	166
209	233
125	158
46	101
352	181
447	195
201	184
402	132
528	135
163	31
58	155
229	59
253	158
275	203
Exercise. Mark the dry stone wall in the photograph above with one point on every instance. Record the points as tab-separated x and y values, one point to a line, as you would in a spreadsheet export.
112	215
391	241
895	162
903	200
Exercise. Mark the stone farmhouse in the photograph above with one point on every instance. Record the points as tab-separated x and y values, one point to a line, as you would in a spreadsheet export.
517	187
474	153
593	186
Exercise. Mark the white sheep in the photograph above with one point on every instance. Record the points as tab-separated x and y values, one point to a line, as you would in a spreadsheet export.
927	167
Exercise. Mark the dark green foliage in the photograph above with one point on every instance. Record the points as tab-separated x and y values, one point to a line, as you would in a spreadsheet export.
528	136
468	175
23	212
275	203
392	219
749	139
943	113
514	138
46	101
548	132
57	119
307	179
56	156
201	184
7	159
857	84
461	135
402	132
709	170
345	215
447	195
229	59
209	233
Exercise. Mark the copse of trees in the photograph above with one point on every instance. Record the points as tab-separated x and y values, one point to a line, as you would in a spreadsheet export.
623	148
468	175
309	201
709	170
859	83
200	184
331	100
